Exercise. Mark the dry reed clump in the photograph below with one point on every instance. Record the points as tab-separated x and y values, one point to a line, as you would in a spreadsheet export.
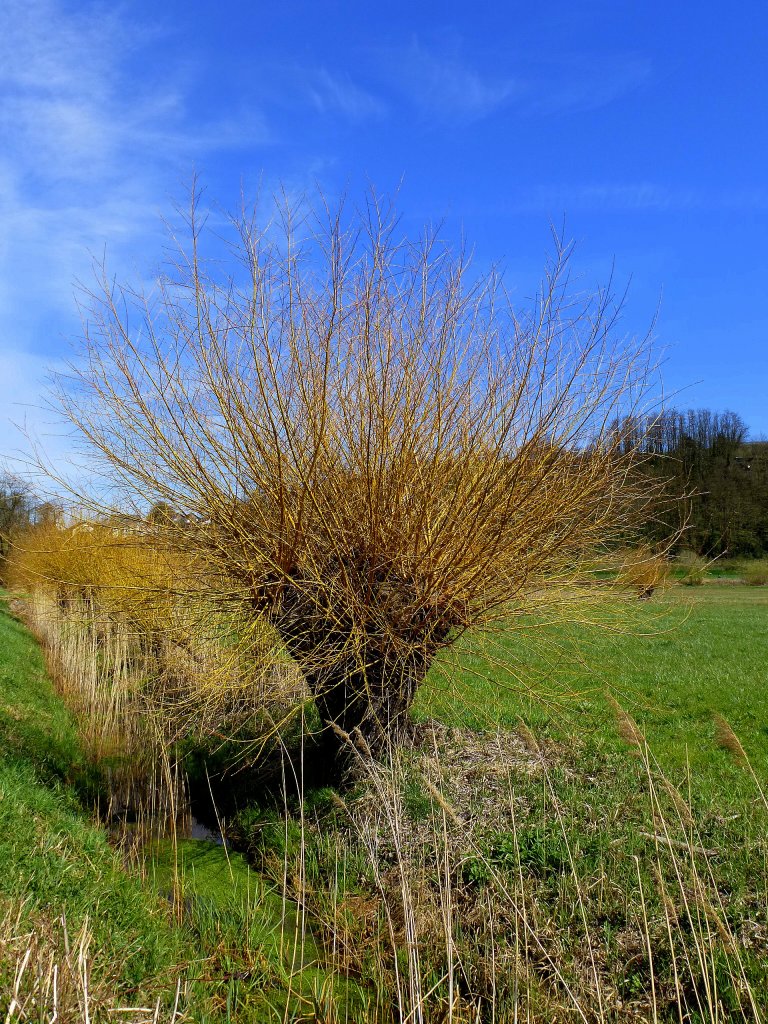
144	661
54	973
101	672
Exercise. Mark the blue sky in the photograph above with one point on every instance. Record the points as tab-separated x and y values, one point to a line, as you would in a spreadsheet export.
643	125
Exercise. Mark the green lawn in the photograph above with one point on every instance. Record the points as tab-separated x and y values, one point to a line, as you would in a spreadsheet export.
686	655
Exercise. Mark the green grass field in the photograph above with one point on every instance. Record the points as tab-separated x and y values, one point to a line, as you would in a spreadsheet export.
687	655
691	654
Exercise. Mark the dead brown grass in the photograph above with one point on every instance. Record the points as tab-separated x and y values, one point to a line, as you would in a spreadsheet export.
59	976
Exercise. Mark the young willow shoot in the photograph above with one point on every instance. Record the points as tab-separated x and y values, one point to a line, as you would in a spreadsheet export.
368	444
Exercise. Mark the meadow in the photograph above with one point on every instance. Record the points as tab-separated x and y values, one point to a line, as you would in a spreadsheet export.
579	833
690	654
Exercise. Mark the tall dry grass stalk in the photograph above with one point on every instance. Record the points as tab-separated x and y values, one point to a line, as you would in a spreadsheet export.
450	913
627	727
58	976
726	738
363	441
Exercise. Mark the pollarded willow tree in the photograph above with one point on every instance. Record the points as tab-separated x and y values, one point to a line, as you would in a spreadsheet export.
372	445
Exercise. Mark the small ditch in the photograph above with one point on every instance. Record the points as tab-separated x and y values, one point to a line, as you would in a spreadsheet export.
197	830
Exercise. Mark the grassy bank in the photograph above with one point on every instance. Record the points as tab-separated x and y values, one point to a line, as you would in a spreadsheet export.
191	933
70	914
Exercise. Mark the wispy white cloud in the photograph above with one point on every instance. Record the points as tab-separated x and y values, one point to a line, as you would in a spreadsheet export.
636	196
62	109
445	85
91	150
583	83
335	94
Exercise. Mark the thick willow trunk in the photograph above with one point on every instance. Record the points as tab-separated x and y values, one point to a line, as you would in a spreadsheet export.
369	710
363	697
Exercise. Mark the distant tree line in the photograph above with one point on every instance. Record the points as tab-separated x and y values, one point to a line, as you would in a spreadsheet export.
707	457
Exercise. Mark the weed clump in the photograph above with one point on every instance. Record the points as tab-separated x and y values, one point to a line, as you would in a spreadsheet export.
691	568
755	574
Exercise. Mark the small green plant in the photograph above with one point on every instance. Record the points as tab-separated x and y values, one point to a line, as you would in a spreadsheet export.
691	569
535	851
418	804
476	871
755	574
267	834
